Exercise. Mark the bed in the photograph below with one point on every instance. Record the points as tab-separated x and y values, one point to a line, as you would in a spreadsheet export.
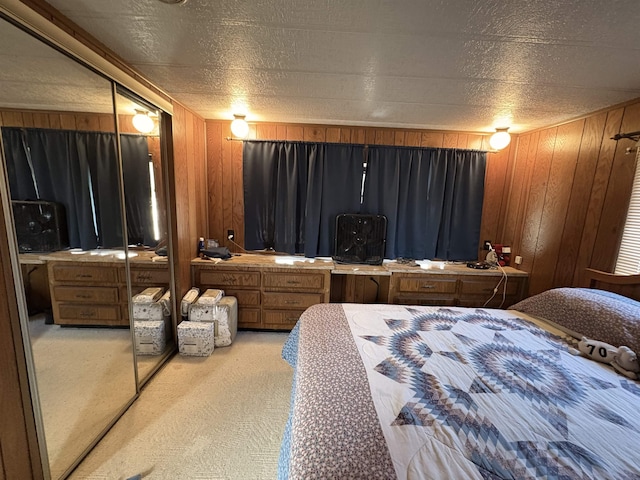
390	391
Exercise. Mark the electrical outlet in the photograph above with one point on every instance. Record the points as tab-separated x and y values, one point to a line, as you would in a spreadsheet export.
487	245
230	234
518	259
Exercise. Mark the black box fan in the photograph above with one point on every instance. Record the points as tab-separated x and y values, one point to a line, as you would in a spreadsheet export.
360	238
41	227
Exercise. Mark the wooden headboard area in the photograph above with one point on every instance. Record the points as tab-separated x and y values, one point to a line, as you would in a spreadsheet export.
627	285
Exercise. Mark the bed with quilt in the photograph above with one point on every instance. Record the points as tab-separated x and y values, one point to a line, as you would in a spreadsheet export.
417	392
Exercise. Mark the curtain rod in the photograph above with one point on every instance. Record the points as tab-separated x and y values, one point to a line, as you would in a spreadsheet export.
366	145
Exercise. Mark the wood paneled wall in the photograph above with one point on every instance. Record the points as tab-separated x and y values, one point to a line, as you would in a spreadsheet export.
187	177
224	166
19	455
569	193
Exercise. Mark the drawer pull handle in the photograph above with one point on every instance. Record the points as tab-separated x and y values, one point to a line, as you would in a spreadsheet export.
84	295
292	319
84	275
292	302
428	286
293	282
87	314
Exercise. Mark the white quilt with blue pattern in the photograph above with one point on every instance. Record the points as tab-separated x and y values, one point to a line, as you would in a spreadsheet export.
471	393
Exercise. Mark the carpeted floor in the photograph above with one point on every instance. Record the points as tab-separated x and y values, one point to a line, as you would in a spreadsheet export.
217	417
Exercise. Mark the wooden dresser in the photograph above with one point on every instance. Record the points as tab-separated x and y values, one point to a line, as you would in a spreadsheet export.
271	295
456	285
91	289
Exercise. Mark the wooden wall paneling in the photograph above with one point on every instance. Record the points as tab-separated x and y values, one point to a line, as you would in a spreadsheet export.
12	119
370	136
412	138
474	142
494	184
227	184
535	198
266	132
358	136
526	171
332	135
399	138
314	134
54	122
40	120
199	141
597	194
616	202
27	119
215	179
295	133
19	453
589	148
189	160
450	140
556	201
505	206
237	220
432	139
281	131
68	121
384	136
345	135
186	244
463	140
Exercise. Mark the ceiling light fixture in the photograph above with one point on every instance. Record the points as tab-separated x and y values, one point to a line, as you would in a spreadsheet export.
143	122
174	2
239	126
500	139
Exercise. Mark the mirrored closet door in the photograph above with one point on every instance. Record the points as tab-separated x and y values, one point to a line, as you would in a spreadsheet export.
77	180
139	124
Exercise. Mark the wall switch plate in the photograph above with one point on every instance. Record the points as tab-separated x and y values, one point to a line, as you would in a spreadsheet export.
230	234
518	260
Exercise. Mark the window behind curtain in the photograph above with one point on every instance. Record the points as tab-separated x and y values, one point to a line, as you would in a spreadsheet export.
628	261
80	171
294	190
432	198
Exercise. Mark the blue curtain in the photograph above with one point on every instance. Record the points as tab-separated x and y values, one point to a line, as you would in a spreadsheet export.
334	184
137	189
293	192
80	171
274	179
432	199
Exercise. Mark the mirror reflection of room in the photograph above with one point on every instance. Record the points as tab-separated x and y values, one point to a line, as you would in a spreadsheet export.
139	126
62	170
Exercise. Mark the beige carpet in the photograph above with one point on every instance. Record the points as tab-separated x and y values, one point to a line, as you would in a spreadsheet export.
76	369
218	417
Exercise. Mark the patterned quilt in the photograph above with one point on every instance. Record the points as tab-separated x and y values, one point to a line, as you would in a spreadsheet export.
388	391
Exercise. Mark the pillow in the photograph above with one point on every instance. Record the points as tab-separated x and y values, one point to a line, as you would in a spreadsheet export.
604	316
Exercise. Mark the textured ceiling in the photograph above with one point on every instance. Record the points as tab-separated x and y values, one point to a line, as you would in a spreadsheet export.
435	64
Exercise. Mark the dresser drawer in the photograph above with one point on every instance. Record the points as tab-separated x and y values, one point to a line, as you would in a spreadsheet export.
427	285
155	277
432	300
290	300
485	286
280	319
249	318
222	279
86	294
106	315
303	281
247	298
85	273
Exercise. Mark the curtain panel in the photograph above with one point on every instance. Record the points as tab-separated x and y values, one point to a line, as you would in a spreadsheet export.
293	192
432	197
80	171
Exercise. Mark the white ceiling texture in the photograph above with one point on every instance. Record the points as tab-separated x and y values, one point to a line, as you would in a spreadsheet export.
468	65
